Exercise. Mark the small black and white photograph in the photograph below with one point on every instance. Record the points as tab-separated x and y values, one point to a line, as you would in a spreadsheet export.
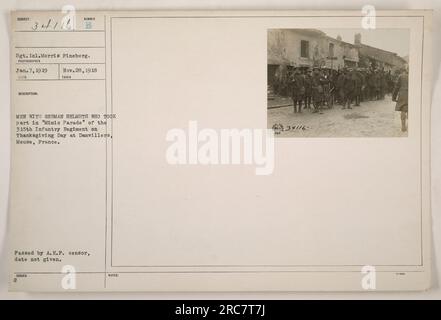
338	82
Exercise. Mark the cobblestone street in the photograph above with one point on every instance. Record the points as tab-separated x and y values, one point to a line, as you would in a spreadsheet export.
370	119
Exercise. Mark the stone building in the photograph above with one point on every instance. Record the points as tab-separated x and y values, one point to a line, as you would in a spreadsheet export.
371	57
291	48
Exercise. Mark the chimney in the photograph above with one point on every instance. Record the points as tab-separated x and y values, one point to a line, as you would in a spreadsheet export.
339	37
357	39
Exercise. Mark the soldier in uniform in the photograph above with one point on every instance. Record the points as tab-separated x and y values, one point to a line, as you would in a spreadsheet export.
376	85
362	75
349	89
400	95
371	85
308	88
317	89
390	82
298	90
332	87
340	87
326	84
356	80
382	84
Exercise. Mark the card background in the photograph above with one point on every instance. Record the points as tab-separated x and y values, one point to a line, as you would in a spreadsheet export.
5	137
322	192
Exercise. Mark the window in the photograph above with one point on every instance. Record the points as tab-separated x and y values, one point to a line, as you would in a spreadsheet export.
331	50
304	49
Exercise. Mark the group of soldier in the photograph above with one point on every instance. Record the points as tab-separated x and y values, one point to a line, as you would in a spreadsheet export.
319	88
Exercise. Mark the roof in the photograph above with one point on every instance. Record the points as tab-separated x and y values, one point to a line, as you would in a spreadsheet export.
341	41
380	54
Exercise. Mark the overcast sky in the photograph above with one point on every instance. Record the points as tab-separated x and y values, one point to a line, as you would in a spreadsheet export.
395	40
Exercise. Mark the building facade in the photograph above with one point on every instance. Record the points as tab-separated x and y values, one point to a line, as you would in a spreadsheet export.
309	48
293	48
376	58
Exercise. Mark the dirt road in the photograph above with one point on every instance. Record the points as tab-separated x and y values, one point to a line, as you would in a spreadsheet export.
371	119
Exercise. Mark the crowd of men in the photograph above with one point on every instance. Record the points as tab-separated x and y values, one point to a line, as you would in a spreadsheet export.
319	88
